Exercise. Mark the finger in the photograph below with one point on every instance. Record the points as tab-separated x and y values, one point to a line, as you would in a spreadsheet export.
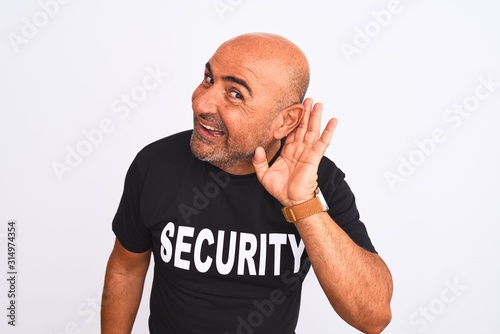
300	132
314	125
260	163
326	136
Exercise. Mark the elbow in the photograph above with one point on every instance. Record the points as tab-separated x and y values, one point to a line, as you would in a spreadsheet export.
378	322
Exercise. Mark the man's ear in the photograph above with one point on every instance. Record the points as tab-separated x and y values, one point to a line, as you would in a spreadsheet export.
288	119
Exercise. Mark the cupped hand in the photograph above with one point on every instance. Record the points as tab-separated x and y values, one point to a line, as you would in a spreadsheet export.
292	178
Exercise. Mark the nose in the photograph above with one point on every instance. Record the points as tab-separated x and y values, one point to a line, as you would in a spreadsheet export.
206	100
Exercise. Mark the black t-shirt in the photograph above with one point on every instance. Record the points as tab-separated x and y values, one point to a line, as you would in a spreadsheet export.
226	261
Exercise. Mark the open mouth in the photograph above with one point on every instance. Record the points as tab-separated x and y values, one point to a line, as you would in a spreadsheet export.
210	130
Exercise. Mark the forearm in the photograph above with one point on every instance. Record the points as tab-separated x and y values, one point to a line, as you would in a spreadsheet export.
357	283
121	297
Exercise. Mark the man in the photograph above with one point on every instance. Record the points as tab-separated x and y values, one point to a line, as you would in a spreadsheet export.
207	203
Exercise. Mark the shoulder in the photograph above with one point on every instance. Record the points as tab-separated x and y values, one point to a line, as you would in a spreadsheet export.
331	180
175	145
328	172
164	154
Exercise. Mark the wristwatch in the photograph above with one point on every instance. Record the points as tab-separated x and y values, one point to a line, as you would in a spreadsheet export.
306	209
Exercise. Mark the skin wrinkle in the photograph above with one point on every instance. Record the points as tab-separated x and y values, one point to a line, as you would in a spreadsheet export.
263	61
295	65
232	79
255	77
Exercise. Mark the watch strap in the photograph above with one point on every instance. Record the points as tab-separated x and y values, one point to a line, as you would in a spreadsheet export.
306	209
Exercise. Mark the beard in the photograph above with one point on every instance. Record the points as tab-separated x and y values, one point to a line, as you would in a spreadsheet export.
229	152
222	157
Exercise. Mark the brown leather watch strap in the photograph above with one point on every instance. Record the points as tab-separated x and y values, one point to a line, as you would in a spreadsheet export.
306	209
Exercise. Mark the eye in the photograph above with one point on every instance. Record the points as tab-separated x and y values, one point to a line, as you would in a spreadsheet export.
208	79
236	95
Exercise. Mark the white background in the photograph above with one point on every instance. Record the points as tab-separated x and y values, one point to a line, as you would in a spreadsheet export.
436	227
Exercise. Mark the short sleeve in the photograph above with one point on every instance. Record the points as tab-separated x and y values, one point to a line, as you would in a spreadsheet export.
127	225
342	203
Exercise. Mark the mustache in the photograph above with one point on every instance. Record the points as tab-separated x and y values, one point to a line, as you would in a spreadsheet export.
214	121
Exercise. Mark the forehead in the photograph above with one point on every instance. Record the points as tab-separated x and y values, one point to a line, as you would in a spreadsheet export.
243	61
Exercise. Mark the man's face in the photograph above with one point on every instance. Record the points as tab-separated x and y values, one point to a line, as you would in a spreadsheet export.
234	108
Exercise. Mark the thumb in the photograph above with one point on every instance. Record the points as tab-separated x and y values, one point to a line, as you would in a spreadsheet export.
259	162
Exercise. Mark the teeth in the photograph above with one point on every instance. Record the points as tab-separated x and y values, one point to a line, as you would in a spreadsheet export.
209	127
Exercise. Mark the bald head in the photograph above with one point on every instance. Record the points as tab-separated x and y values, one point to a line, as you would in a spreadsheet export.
279	54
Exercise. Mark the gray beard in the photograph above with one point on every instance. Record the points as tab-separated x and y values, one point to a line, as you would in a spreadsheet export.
228	160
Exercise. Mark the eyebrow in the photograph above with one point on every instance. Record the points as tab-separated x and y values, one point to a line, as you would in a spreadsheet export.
231	79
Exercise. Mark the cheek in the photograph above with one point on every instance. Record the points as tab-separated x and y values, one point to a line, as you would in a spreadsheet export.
232	125
236	125
241	129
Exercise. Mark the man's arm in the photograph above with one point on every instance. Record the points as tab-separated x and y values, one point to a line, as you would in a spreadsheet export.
123	285
356	282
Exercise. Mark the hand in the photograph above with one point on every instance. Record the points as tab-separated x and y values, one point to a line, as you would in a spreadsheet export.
292	178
